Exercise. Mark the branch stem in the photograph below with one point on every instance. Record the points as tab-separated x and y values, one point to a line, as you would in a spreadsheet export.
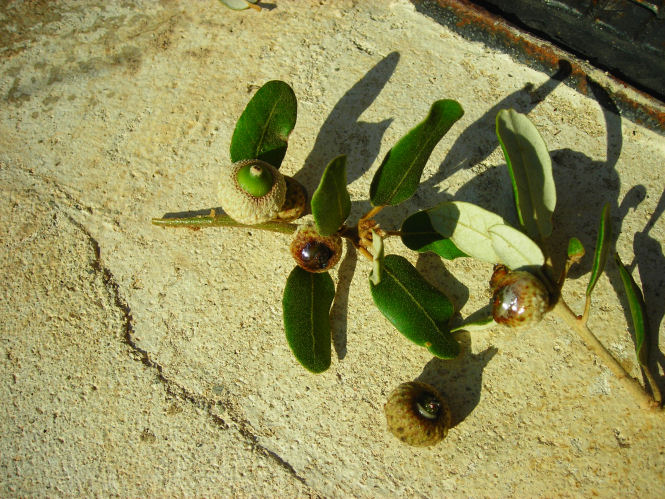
655	391
214	220
587	308
562	310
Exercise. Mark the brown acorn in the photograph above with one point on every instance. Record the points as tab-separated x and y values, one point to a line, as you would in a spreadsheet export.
314	252
519	297
417	414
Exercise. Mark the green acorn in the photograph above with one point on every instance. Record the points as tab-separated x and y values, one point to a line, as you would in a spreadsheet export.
252	191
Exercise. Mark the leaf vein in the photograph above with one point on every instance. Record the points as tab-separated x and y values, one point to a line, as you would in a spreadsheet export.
410	295
267	125
408	170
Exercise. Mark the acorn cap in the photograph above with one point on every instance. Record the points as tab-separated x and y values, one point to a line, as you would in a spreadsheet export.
252	191
314	252
519	297
417	414
295	201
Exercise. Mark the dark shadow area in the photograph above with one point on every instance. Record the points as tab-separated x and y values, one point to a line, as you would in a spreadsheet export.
343	133
432	268
191	213
266	5
478	141
629	44
459	380
340	306
584	185
490	189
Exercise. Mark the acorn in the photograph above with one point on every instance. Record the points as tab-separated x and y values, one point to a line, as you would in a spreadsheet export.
295	201
417	414
519	297
314	252
252	191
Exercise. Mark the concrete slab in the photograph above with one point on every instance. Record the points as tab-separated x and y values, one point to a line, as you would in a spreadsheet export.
147	361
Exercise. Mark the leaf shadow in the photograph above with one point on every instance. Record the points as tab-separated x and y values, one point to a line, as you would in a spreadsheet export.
584	185
459	380
432	268
340	306
479	140
474	144
344	133
578	211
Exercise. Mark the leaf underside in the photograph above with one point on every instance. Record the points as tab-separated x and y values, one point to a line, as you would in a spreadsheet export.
530	168
331	203
484	235
477	324
416	308
467	225
306	312
237	4
263	129
515	249
398	177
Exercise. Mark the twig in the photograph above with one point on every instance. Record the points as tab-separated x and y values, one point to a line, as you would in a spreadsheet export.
562	310
587	308
214	220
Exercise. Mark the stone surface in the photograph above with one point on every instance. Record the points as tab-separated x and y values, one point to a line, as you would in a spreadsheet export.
147	361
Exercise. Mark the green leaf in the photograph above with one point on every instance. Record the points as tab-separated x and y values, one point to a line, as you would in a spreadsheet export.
602	246
263	129
575	249
238	4
418	234
377	258
306	308
637	312
331	203
530	168
398	177
515	249
640	325
467	225
416	308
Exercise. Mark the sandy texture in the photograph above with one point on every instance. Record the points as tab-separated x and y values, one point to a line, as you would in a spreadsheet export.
146	361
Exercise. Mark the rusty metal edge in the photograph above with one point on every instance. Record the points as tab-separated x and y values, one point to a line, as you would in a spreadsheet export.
476	23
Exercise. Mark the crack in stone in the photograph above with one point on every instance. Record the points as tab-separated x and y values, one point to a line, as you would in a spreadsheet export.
172	388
